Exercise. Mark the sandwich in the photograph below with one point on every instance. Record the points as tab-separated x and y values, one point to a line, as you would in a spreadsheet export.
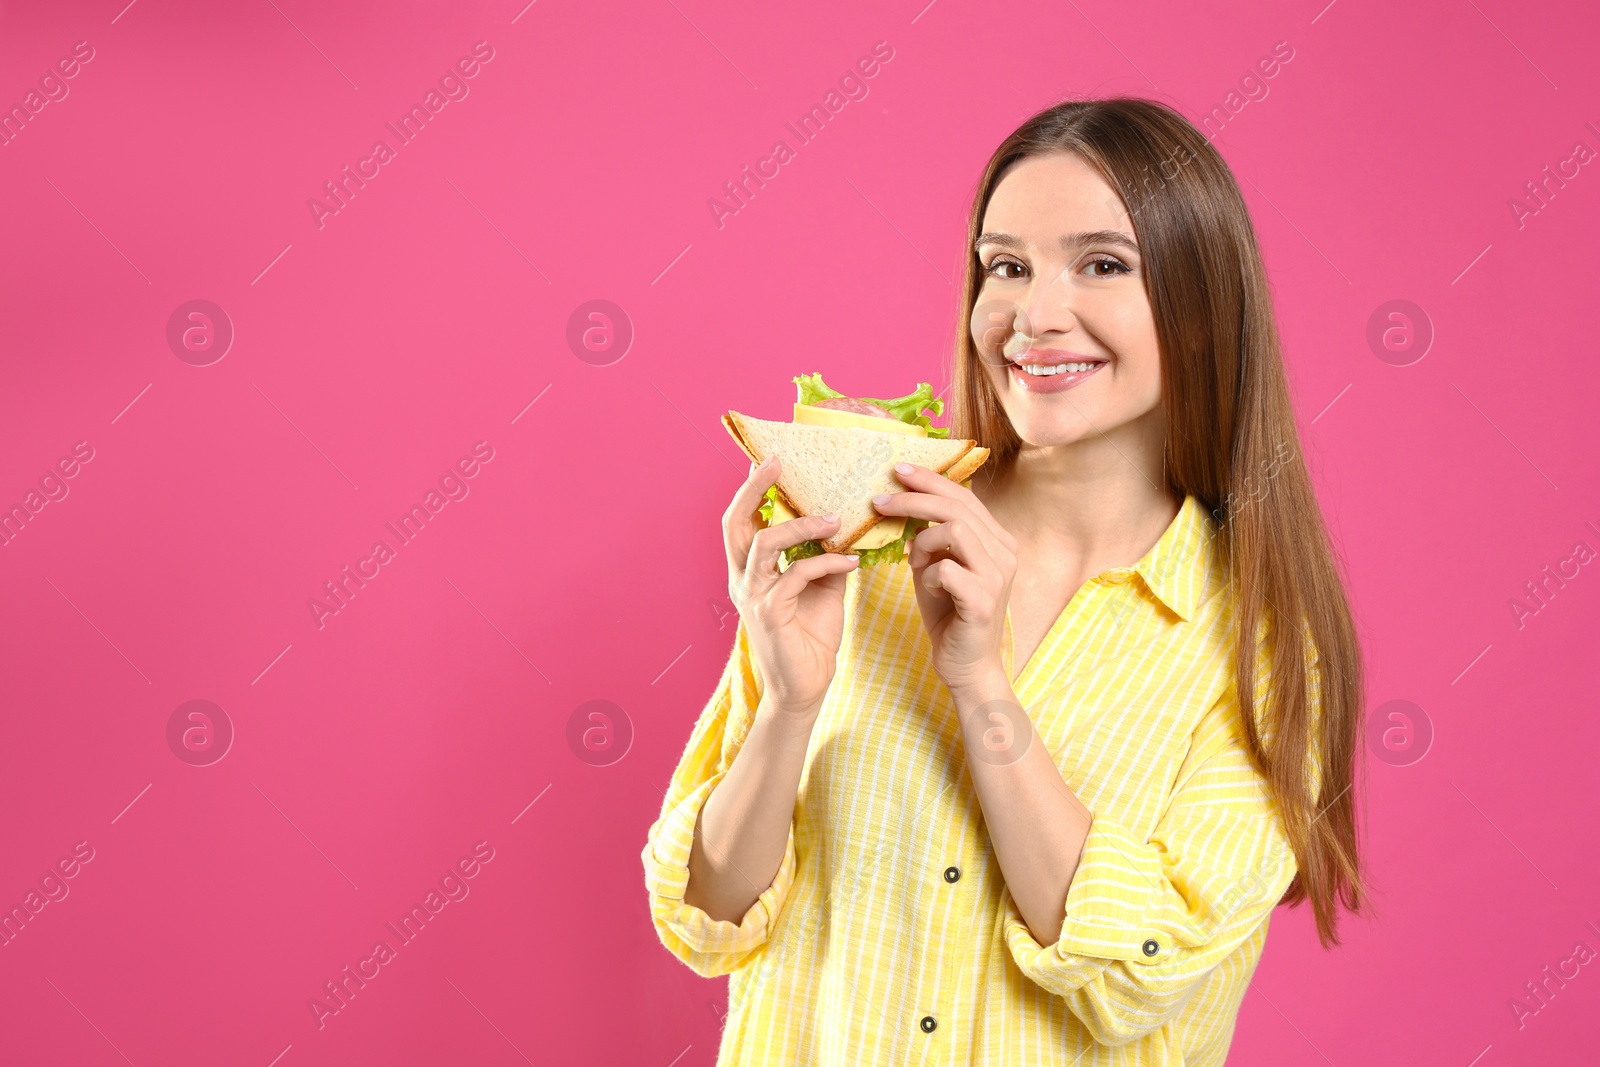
839	452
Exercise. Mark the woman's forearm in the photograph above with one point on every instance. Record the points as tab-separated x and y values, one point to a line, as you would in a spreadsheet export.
743	825
1036	824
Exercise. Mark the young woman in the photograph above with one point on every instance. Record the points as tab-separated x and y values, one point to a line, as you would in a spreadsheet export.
1030	794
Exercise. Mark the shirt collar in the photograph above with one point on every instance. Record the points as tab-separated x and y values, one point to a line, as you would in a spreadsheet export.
1178	567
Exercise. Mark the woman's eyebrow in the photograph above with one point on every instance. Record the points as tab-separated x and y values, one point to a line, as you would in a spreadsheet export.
1070	240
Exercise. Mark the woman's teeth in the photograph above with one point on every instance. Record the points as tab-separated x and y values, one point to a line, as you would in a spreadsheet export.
1041	371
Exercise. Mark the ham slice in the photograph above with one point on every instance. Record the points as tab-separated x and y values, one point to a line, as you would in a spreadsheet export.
860	407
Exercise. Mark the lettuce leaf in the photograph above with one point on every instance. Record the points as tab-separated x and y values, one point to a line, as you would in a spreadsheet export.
908	409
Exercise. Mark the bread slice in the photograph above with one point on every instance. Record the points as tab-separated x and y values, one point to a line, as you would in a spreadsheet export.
967	465
838	470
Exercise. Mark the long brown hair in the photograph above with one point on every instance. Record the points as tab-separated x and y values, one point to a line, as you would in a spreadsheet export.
1229	422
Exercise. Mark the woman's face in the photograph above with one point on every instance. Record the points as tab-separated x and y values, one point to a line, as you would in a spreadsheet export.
1063	284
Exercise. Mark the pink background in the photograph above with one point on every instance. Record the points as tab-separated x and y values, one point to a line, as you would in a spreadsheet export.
432	712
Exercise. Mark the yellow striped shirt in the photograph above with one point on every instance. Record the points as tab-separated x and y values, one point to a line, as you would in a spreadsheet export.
888	936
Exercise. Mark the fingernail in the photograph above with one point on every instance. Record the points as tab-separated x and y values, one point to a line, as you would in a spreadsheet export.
830	518
852	559
881	498
903	468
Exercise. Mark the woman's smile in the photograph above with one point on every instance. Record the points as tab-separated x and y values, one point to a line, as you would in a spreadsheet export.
1053	371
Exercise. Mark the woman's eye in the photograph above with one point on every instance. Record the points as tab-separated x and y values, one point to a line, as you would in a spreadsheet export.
998	265
1116	265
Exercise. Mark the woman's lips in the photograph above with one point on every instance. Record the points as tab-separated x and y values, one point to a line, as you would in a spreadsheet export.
1051	383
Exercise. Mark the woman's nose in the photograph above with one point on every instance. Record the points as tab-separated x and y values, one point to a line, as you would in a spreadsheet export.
1049	304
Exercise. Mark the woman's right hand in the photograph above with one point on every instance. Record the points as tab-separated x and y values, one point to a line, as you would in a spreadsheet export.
795	618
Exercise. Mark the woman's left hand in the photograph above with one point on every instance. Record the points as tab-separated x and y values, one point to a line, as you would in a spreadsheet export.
962	569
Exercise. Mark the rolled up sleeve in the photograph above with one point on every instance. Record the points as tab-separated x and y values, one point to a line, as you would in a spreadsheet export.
710	946
1148	918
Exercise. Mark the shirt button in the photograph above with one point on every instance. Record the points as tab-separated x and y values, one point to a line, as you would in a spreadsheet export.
928	1024
952	874
1151	947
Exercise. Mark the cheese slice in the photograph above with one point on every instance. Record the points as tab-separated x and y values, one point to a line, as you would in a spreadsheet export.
887	530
